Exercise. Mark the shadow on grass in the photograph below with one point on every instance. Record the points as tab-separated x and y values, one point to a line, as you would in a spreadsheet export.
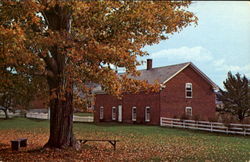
38	120
37	150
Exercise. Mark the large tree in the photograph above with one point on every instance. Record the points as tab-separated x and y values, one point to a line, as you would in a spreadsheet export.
73	42
236	96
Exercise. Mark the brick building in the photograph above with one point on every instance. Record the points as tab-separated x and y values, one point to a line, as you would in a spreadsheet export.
185	90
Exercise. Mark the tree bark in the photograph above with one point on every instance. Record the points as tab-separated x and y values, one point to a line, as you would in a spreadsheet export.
61	88
61	120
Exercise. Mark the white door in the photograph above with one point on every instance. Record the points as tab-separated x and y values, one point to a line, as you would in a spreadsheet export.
120	113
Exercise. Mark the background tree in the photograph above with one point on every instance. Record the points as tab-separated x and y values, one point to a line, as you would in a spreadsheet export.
17	90
236	97
74	42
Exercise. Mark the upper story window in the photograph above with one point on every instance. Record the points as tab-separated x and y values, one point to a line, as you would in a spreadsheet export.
188	111
189	90
101	112
147	114
113	113
133	113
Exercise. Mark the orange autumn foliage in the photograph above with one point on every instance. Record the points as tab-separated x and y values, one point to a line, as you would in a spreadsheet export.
76	42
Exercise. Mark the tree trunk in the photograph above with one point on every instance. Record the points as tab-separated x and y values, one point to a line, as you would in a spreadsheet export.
241	115
6	114
61	120
61	88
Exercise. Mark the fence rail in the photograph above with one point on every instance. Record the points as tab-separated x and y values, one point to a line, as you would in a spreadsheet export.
88	119
10	114
37	115
231	128
46	116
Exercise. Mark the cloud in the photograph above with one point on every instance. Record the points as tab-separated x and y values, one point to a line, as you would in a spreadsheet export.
200	56
196	54
223	66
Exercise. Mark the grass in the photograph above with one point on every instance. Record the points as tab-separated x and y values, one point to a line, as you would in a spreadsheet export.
23	124
137	142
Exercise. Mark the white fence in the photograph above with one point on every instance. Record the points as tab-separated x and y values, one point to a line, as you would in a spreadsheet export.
45	116
88	119
243	129
37	115
10	114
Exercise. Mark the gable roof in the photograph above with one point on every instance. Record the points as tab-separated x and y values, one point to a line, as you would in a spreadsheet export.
165	73
160	74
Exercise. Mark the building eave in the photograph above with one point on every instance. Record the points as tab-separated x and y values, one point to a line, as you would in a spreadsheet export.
176	73
215	87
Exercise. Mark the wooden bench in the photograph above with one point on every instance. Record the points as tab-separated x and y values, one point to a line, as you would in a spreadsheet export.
112	142
16	144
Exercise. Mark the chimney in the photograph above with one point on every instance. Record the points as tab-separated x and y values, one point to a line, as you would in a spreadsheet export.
149	64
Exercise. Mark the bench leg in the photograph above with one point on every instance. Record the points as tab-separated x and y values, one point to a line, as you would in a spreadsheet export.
15	145
113	144
23	143
83	141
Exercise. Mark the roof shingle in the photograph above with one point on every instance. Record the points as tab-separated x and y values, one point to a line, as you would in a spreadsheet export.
159	74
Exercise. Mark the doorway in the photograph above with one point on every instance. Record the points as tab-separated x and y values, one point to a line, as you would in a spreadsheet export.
119	113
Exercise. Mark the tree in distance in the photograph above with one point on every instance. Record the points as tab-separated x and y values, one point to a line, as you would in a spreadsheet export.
236	97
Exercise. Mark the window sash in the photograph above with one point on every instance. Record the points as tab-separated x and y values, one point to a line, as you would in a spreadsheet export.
133	113
147	114
113	113
189	90
101	112
188	111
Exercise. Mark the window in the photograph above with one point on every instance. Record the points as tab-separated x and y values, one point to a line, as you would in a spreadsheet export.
133	113
113	113
101	112
188	111
188	90
147	114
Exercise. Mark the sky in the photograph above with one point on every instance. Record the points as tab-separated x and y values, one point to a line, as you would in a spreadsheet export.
218	44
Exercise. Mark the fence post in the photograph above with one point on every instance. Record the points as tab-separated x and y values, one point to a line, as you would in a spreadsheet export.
48	113
211	127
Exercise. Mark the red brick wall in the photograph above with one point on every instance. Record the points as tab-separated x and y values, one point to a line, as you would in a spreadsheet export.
173	100
170	102
38	103
140	101
107	101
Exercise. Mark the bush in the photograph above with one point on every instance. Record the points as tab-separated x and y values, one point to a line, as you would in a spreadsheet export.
227	119
213	119
196	117
246	121
184	117
175	117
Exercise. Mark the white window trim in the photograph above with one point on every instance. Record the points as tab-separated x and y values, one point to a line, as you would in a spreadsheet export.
187	84
146	119
134	116
101	112
188	108
113	113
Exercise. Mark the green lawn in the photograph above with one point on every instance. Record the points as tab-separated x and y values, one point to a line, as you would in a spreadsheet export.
144	143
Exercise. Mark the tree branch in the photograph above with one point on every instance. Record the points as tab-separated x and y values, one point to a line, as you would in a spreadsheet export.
50	62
